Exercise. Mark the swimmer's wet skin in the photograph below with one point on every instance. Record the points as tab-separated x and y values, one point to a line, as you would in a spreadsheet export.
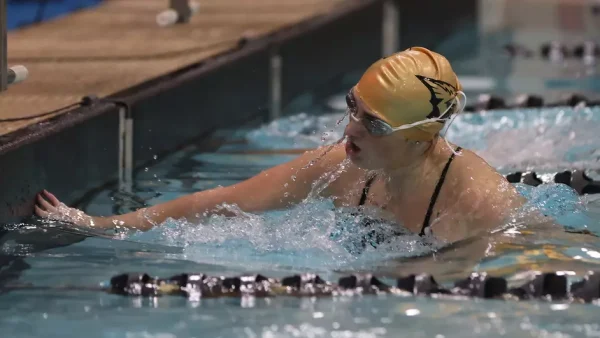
419	181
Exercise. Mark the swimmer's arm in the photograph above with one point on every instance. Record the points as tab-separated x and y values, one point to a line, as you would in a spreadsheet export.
275	188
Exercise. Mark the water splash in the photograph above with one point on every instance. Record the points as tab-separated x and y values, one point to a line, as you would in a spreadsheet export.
324	140
314	236
532	139
298	132
560	203
311	236
326	179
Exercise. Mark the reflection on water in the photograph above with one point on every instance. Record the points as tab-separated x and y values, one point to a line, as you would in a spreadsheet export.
106	316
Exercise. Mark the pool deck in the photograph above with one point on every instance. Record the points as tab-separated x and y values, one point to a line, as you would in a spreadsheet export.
117	45
237	62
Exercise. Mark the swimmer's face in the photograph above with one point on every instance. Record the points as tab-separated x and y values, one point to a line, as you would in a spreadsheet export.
369	151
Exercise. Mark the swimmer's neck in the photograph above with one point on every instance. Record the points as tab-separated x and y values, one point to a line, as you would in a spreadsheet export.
406	177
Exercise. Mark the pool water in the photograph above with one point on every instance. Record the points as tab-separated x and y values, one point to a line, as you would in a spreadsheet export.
308	238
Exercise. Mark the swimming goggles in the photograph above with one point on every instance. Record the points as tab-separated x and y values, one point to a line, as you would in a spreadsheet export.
378	127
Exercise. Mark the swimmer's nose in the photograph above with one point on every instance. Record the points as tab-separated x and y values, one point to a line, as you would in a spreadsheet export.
355	129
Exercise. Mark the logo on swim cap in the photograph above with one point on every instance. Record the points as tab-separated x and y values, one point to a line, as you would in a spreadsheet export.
441	92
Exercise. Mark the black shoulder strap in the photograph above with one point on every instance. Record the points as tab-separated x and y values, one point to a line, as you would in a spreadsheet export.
365	192
436	192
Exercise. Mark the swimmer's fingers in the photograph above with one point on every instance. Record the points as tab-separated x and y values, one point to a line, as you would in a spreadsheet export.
45	205
53	200
48	206
40	212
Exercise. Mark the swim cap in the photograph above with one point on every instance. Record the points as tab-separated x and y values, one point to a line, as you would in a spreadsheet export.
410	86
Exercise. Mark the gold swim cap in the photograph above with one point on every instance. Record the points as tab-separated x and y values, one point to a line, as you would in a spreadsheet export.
410	86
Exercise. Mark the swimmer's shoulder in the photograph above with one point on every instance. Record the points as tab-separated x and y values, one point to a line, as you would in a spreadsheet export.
476	198
469	168
475	176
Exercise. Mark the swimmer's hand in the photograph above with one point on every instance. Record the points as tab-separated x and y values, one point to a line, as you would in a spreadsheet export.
49	207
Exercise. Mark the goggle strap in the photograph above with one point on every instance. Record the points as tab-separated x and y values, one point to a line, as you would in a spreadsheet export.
434	119
460	110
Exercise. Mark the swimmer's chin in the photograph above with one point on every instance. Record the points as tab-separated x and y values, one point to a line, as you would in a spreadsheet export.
357	161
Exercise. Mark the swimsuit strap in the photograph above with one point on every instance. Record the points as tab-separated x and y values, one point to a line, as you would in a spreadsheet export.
436	193
365	192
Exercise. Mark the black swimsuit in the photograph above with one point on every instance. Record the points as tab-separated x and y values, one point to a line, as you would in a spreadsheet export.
374	238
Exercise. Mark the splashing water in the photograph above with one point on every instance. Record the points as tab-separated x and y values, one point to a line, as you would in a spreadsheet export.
324	141
299	131
528	139
319	185
559	202
315	236
311	236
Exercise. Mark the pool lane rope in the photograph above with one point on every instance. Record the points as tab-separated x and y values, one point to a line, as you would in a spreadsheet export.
576	179
549	286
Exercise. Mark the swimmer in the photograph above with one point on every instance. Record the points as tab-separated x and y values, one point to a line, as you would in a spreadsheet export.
394	159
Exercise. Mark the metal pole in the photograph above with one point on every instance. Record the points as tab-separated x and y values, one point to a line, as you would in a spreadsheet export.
122	117
125	150
275	86
3	46
391	27
182	7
